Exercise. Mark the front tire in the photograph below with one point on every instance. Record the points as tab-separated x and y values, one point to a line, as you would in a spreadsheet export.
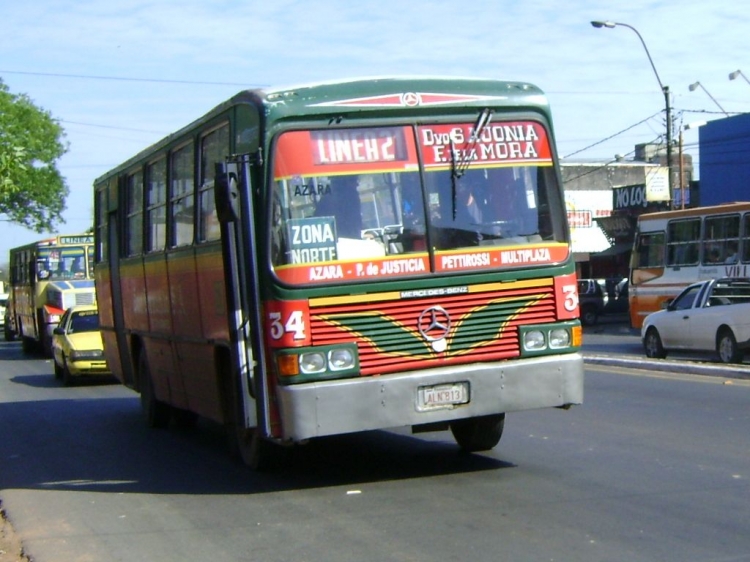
67	378
653	346
727	348
478	434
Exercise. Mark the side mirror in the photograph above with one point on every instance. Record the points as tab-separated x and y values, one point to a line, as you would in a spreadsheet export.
667	304
226	193
58	332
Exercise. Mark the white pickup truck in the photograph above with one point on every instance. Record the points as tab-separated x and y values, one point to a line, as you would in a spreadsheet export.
711	315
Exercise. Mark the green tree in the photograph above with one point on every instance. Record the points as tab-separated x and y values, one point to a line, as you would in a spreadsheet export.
32	191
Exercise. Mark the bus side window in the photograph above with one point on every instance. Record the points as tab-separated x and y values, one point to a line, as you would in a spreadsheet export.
650	250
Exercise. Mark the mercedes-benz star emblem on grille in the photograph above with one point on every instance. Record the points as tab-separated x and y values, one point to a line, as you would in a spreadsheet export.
434	325
410	99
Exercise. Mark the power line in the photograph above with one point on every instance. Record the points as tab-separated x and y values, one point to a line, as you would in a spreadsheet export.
128	79
612	136
110	127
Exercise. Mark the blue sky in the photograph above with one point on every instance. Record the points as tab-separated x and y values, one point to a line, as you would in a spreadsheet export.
178	59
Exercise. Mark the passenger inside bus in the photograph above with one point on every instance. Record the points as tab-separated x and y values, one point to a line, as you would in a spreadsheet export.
731	253
343	204
61	272
77	268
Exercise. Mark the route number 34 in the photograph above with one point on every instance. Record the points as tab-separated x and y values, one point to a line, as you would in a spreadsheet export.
293	325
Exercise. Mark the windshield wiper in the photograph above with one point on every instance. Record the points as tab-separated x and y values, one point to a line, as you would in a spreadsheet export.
460	162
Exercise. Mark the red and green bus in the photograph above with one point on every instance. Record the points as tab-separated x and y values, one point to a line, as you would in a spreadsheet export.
341	257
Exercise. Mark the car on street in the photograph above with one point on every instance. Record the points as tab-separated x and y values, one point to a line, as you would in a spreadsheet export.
77	348
712	315
3	306
591	299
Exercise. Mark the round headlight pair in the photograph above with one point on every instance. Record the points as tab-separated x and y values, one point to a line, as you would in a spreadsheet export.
536	340
319	361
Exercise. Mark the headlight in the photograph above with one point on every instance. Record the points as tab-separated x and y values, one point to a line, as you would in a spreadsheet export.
533	340
558	338
312	362
86	354
340	359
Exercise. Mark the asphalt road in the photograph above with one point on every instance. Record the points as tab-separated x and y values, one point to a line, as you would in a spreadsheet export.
654	466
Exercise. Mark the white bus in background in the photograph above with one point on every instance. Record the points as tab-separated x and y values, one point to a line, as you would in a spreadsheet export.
673	249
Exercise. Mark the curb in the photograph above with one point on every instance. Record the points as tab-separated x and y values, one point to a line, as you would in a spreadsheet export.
694	368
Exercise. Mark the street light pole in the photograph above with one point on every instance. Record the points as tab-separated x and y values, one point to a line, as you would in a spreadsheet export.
664	89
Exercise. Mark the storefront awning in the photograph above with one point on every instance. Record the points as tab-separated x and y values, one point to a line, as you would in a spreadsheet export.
614	250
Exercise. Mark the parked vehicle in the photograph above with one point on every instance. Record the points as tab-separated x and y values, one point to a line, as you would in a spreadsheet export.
77	348
591	299
705	316
3	306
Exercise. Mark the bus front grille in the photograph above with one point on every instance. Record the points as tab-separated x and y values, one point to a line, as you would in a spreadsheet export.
400	334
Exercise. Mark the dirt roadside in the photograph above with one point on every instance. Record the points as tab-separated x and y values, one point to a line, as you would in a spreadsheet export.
10	544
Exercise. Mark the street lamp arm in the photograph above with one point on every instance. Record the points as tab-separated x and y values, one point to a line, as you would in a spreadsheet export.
664	89
611	24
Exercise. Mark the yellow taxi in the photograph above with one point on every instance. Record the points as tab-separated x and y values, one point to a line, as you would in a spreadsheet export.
77	348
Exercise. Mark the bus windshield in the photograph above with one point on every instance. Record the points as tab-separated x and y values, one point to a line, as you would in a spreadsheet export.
63	263
376	196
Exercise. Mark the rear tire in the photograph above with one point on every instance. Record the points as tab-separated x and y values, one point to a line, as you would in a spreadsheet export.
726	347
155	412
478	434
589	315
652	345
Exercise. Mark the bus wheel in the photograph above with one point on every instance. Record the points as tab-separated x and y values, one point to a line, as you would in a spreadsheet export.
726	347
652	345
28	345
184	419
478	434
155	412
249	447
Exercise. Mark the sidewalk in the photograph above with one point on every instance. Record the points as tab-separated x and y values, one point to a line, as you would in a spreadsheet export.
612	342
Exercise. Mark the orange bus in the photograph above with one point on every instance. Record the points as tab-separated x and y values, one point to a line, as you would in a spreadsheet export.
673	249
343	257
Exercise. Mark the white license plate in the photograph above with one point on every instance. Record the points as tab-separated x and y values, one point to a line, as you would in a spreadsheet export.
442	396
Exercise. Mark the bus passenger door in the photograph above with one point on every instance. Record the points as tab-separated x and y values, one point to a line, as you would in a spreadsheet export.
234	206
113	257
